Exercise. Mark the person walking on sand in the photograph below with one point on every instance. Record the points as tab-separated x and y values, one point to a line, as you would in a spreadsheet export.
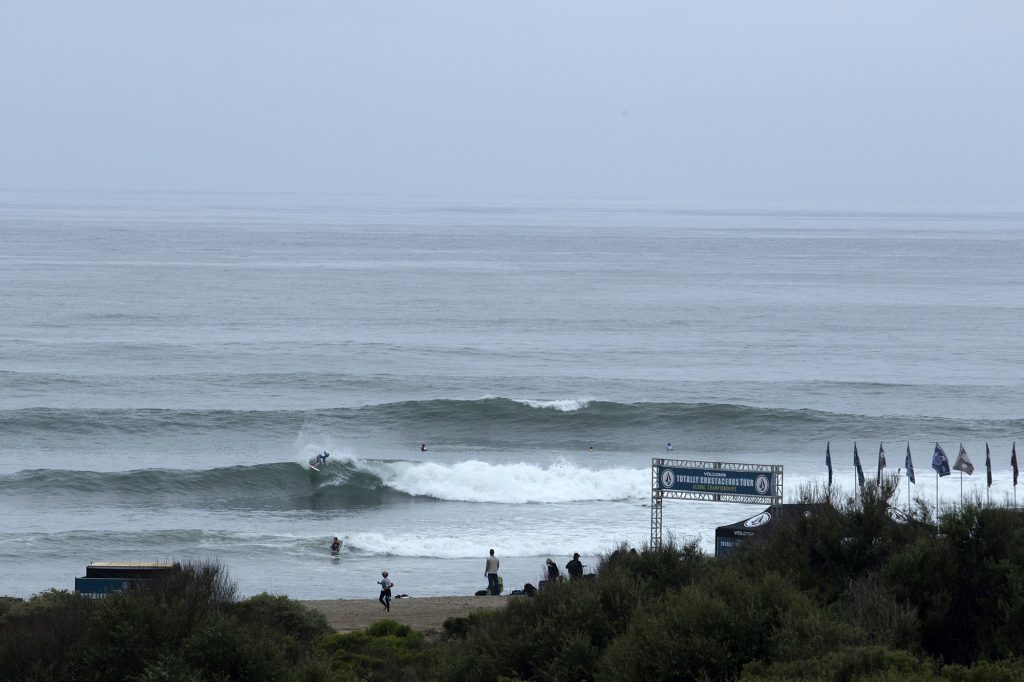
385	590
491	571
574	568
552	571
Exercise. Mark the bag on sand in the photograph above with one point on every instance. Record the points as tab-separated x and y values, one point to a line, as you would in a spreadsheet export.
501	585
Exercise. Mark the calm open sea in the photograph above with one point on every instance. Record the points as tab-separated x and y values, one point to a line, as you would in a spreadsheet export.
170	362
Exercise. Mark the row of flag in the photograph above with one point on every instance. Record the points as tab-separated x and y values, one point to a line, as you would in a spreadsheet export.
939	462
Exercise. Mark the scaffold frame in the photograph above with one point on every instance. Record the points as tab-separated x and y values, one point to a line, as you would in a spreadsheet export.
772	495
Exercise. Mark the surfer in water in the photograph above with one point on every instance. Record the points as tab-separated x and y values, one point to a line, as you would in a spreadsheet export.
423	447
321	459
335	546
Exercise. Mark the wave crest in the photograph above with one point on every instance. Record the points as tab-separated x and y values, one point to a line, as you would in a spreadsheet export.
564	405
344	484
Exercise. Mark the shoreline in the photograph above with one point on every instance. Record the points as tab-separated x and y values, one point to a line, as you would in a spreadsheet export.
424	614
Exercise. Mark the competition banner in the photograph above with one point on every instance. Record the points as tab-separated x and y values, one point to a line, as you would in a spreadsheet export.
717	481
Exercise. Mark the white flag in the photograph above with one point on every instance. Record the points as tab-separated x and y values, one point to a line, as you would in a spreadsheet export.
963	462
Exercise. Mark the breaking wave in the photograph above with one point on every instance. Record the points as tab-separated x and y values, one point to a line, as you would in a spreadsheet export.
343	484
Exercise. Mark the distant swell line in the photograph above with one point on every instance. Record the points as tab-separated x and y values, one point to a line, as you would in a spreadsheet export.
558	417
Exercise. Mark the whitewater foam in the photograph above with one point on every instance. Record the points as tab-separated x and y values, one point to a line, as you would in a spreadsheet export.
519	483
563	405
456	546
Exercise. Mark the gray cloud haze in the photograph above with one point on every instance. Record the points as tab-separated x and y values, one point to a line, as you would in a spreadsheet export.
869	100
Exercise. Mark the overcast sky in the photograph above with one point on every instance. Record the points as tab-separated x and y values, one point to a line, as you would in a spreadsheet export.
828	101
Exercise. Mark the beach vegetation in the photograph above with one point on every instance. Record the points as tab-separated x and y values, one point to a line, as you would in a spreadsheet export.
188	625
846	589
559	633
852	588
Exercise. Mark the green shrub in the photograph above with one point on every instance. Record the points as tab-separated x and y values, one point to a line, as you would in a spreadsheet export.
386	650
846	665
888	621
223	647
824	550
659	569
127	631
38	637
713	628
985	671
171	668
574	659
967	584
456	627
287	622
184	626
282	615
8	605
559	633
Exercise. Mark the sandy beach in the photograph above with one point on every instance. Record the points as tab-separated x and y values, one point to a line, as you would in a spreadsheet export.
426	614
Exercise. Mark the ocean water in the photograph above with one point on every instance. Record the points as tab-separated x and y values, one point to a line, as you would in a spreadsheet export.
170	362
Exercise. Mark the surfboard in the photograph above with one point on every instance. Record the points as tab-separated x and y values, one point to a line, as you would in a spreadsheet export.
313	467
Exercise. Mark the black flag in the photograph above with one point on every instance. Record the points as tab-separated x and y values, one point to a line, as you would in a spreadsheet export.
856	463
988	465
910	466
828	462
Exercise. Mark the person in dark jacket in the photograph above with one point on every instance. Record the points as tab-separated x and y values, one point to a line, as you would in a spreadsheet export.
574	567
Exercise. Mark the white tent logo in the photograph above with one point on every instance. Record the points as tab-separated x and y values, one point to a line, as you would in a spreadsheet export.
759	520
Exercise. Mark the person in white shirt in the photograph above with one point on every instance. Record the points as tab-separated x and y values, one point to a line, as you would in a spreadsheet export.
491	571
385	590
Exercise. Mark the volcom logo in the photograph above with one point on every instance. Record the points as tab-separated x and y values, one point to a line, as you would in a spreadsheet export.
668	478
